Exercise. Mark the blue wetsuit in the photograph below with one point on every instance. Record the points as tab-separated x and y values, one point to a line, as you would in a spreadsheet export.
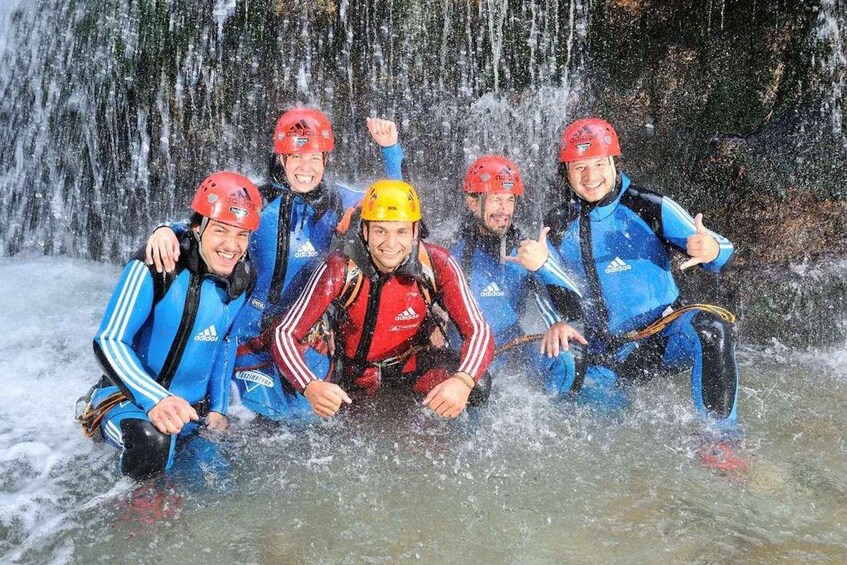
502	289
619	250
294	235
164	336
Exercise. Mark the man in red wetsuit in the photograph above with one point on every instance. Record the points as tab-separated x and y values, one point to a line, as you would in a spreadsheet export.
382	284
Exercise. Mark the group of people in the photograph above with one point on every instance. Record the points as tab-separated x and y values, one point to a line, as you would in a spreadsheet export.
307	295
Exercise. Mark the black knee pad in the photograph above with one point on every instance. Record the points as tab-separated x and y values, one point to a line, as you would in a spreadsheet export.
146	449
481	391
720	370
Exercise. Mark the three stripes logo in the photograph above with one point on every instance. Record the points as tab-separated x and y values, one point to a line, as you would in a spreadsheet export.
302	131
407	314
306	250
492	290
617	265
209	334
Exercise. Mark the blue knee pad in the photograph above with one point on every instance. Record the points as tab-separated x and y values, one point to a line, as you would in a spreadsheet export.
559	372
200	463
264	391
556	373
601	390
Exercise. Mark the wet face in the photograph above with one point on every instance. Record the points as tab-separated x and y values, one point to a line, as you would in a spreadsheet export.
389	243
494	211
592	179
222	246
304	171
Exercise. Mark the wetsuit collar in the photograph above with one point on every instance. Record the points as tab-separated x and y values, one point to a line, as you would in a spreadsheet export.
319	198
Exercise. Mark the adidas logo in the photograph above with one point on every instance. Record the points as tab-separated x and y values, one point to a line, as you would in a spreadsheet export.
306	250
407	314
209	334
492	290
617	265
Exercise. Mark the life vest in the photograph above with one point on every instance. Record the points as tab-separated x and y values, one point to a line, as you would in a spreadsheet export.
354	276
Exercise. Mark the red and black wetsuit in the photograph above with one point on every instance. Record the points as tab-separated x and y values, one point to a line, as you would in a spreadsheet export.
385	319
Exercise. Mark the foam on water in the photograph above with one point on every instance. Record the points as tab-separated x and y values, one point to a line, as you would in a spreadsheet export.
531	478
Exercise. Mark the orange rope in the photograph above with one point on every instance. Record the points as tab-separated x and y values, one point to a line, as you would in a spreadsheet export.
91	417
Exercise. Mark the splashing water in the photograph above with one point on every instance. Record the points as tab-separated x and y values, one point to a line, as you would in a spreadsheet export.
528	479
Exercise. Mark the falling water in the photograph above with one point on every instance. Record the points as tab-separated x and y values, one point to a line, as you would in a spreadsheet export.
831	34
116	109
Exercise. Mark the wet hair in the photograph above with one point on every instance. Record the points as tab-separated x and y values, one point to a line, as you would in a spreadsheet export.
196	219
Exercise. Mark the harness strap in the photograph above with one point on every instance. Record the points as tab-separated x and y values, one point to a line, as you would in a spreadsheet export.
92	416
186	323
636	335
354	276
430	288
665	320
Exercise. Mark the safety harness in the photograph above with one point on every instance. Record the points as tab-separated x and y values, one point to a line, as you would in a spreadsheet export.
636	335
353	277
426	282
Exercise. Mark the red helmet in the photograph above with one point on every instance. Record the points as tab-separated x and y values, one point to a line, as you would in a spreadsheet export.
588	139
229	198
303	130
493	174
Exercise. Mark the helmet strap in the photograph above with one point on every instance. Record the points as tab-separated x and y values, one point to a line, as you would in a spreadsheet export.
198	235
204	223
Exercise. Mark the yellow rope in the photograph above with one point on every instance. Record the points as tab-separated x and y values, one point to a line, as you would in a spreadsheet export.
664	321
635	335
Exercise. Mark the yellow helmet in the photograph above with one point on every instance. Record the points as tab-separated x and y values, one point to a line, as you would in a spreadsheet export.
391	201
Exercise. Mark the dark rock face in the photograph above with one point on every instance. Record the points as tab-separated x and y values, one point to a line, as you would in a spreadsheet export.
115	110
734	109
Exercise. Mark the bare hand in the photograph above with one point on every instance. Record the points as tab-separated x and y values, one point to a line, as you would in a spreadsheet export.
448	398
325	398
384	132
532	253
216	421
172	413
162	249
701	247
557	337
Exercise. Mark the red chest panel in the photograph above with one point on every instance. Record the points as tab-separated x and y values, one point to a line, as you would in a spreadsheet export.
401	312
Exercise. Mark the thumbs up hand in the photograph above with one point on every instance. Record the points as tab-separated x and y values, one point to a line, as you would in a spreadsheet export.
700	246
532	253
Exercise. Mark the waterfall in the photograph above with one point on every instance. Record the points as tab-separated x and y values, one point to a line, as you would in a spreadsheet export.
115	110
831	34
